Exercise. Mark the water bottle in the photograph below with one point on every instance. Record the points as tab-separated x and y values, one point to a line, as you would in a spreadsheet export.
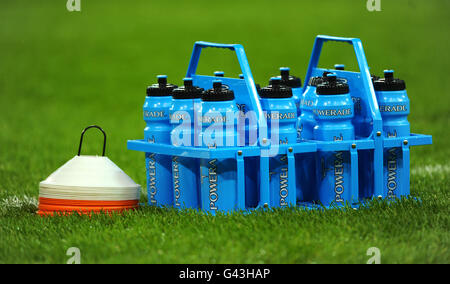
218	176
306	121
279	106
294	83
361	123
366	157
333	114
393	103
305	164
157	130
185	170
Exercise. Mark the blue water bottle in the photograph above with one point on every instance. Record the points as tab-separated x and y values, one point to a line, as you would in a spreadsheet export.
294	83
185	171
306	121
218	177
305	164
393	103
333	114
157	130
281	113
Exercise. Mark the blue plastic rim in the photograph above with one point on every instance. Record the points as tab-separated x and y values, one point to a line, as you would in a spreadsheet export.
369	141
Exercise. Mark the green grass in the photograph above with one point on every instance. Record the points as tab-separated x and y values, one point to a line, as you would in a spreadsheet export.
61	71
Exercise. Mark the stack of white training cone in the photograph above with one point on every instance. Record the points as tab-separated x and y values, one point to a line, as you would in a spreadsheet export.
87	184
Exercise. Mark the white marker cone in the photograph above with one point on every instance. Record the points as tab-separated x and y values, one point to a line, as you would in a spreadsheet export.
88	183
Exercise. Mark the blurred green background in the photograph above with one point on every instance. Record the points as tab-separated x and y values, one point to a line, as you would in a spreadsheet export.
61	71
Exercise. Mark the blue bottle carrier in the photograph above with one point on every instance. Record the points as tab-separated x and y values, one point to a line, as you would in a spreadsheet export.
368	147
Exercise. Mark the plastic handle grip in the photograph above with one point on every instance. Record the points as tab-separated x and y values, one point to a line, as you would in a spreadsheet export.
363	69
204	44
245	70
199	45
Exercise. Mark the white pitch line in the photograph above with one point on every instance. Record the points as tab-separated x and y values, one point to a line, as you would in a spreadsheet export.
430	170
18	202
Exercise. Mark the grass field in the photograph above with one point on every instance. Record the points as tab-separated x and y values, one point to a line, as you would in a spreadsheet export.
62	71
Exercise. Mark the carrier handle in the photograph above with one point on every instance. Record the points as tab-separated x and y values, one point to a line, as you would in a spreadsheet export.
363	69
371	99
248	77
237	48
82	135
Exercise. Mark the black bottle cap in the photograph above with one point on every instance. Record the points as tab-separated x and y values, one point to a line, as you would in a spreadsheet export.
218	93
275	90
188	91
389	83
315	81
332	86
161	89
289	80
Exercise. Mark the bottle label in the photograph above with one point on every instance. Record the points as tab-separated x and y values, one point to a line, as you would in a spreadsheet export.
213	180
340	112
394	108
306	103
284	181
152	189
214	119
339	176
176	180
154	114
280	115
392	172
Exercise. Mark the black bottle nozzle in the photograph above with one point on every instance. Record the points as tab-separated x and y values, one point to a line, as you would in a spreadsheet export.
339	66
219	73
275	82
217	85
162	80
331	78
389	75
188	83
284	72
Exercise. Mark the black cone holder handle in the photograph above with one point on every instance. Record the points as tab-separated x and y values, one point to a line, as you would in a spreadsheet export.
82	135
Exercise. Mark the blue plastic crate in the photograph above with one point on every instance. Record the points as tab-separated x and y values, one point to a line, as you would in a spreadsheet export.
246	95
